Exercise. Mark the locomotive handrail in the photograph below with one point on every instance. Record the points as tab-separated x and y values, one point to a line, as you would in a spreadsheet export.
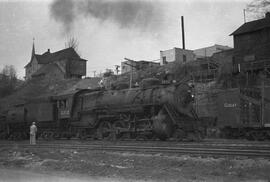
166	106
253	99
250	99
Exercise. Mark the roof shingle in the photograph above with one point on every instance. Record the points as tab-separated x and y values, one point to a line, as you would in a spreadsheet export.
252	26
62	54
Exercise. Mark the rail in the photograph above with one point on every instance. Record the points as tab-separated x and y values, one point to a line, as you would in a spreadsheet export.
232	150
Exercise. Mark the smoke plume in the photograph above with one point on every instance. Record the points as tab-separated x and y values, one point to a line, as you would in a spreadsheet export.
139	14
63	11
257	8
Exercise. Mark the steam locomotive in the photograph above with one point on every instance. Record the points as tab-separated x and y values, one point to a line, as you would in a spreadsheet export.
150	111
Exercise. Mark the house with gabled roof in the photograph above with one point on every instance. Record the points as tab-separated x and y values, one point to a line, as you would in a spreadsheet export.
251	46
63	64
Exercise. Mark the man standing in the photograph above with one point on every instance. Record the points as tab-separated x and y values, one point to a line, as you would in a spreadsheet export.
33	131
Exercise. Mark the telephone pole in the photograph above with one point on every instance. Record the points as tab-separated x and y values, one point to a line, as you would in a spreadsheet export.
117	69
244	11
131	74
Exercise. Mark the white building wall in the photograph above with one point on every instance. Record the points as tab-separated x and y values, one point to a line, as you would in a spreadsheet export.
32	68
125	66
176	55
209	51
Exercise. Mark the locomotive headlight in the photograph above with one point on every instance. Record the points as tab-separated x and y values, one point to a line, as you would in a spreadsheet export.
192	97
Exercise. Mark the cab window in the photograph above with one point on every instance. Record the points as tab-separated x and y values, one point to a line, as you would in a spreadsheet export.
62	104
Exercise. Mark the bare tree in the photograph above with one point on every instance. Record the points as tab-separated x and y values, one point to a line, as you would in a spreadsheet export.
108	73
8	80
257	8
72	42
10	71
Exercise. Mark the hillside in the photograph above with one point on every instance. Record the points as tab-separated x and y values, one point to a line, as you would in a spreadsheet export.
40	88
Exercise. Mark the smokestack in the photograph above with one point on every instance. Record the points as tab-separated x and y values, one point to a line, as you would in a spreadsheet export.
183	32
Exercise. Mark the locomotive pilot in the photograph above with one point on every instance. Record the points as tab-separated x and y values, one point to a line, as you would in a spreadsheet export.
33	131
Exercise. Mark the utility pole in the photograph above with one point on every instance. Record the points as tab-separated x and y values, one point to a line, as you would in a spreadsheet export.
244	11
131	74
263	76
117	69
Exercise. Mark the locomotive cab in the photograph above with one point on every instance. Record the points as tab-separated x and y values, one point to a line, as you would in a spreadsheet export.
65	103
63	108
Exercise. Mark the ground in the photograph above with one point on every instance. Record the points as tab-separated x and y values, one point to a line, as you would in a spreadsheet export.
17	164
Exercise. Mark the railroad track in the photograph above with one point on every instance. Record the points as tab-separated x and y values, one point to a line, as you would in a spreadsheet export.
204	144
168	142
198	150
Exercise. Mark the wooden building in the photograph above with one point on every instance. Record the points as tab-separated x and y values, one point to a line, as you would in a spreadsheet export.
130	65
177	55
62	64
252	46
209	51
203	69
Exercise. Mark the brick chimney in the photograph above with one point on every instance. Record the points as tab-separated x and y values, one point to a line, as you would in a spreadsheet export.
267	15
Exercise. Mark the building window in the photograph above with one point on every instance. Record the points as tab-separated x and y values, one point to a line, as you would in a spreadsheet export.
184	58
164	60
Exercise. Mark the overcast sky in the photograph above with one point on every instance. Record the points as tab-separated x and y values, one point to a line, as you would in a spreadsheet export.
108	31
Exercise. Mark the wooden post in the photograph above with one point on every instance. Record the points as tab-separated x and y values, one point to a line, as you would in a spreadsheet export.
131	77
131	74
263	93
244	11
247	77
